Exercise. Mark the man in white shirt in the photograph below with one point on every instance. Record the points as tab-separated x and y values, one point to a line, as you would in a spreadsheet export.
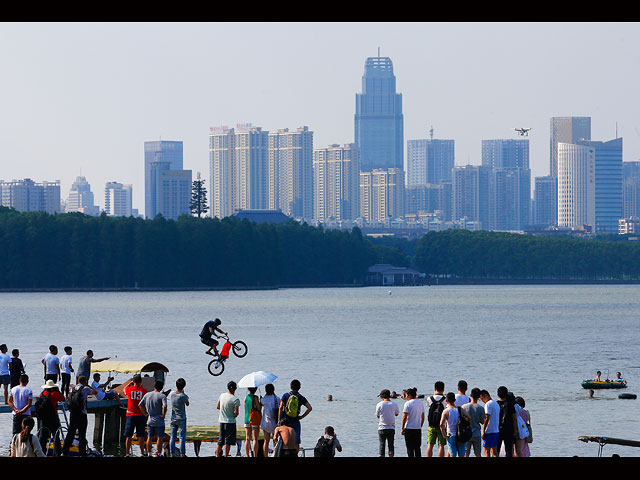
99	388
20	401
461	397
490	427
386	411
51	364
412	421
229	406
66	370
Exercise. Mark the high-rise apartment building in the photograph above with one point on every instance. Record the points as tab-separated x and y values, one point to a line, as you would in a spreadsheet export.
509	198
471	194
336	178
172	190
425	198
566	130
118	199
609	185
238	162
576	185
382	194
29	196
378	118
546	201
505	153
290	172
159	155
429	161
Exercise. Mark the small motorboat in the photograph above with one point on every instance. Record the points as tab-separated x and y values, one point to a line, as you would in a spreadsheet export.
594	385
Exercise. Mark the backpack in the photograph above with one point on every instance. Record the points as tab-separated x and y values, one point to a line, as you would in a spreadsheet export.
292	407
435	411
75	403
44	408
464	432
324	447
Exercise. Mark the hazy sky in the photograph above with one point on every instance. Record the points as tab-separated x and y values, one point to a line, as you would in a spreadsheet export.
85	96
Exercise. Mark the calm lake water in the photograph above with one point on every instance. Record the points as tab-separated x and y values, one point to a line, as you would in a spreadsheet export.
539	341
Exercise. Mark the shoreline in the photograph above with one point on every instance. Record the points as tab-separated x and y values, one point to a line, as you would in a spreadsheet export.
435	282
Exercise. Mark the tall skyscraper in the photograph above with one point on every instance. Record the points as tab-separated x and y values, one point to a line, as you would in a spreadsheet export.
576	185
238	161
378	118
118	199
382	194
81	198
631	189
546	201
159	152
509	198
429	161
29	196
505	153
290	172
336	178
471	194
566	130
424	198
609	185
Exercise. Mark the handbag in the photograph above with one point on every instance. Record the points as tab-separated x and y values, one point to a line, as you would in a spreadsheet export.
523	431
530	437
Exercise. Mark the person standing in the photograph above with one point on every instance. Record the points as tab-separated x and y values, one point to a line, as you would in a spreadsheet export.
270	403
154	404
290	408
436	405
20	401
179	401
386	410
51	364
461	397
77	404
449	426
490	429
5	372
522	444
229	406
84	365
50	422
23	444
66	370
252	420
474	411
412	422
16	368
135	418
508	425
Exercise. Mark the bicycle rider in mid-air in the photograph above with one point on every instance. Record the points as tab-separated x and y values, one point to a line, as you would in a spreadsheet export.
210	328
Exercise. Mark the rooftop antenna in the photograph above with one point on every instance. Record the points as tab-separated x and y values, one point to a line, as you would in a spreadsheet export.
378	52
431	132
616	129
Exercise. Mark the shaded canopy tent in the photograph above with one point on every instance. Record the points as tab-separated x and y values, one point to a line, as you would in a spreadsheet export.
114	366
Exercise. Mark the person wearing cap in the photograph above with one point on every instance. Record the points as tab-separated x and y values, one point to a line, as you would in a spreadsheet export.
49	427
387	410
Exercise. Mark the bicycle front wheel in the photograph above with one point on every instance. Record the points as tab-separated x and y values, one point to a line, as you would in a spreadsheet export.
216	367
240	349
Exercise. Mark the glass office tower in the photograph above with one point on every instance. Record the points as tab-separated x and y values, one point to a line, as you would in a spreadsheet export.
378	119
158	151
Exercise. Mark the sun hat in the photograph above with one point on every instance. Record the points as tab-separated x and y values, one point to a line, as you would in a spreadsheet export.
49	384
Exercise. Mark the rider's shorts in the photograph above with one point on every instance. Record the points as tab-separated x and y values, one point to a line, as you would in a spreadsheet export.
209	341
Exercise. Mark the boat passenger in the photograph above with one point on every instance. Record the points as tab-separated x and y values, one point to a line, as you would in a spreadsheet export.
619	378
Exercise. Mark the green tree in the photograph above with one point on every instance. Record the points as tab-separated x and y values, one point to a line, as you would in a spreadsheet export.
198	197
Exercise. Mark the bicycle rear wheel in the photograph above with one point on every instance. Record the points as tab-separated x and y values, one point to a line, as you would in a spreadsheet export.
216	367
240	349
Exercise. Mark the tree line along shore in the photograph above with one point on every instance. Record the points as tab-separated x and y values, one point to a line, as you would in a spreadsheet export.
72	251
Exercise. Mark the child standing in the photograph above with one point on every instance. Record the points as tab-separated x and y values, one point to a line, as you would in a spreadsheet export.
179	400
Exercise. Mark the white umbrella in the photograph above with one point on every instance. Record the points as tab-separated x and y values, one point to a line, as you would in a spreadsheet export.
256	379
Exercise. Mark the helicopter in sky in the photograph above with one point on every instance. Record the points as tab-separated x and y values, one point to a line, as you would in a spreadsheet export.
524	132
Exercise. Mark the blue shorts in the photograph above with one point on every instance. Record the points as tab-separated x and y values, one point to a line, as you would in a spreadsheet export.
227	434
491	440
5	379
157	431
137	423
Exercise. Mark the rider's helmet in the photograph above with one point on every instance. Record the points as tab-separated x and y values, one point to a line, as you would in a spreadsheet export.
217	321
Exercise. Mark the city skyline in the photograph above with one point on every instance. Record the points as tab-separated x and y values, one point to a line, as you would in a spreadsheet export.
101	92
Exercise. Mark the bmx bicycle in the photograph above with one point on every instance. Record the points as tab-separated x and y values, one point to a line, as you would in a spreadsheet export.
239	349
